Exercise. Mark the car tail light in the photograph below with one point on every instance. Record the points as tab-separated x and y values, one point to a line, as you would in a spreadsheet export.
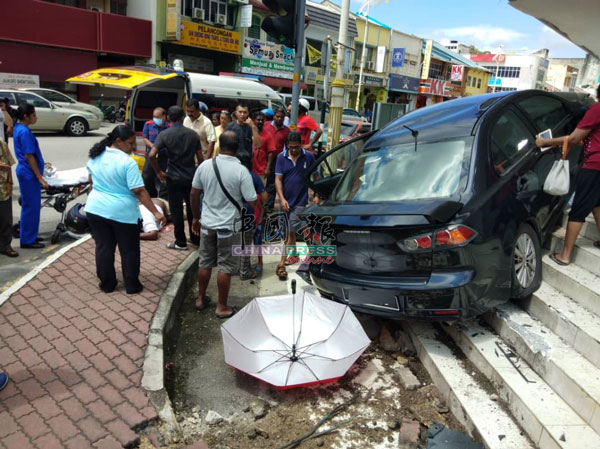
455	235
446	312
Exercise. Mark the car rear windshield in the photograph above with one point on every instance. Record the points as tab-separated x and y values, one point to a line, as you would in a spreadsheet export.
347	129
399	173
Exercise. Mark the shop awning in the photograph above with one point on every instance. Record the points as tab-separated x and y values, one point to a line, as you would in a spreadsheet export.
280	82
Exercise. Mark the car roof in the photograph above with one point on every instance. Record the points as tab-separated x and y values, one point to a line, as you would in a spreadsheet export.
447	120
355	122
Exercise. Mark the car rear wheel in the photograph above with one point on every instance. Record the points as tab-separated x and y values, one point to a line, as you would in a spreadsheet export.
527	263
76	127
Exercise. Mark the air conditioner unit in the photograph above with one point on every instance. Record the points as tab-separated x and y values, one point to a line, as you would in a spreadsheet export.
198	13
221	19
370	65
96	9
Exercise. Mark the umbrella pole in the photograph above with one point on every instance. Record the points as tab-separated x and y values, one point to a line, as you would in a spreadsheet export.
294	357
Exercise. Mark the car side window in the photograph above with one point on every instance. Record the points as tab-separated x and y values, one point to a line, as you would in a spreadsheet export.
545	112
55	96
12	100
34	100
509	140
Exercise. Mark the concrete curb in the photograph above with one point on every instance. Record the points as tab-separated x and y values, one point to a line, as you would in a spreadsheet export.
163	329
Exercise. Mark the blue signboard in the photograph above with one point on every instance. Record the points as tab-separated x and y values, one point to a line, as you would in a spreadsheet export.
398	57
495	82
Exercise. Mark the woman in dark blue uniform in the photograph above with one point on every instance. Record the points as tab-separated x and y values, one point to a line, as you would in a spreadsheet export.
29	173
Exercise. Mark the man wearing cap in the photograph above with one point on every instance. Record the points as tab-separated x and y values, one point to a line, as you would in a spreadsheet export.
268	118
203	126
306	125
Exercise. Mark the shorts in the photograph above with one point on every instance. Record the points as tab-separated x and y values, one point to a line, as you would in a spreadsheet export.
293	218
587	194
217	252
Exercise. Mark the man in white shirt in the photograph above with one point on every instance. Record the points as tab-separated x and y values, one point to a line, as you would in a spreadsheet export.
151	227
219	218
197	121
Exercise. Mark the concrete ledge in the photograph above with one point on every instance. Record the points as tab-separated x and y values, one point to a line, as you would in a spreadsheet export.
162	330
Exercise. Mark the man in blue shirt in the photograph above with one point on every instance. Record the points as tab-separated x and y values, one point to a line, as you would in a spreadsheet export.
150	132
291	169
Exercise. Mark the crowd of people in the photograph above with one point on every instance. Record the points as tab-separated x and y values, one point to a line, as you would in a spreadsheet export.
257	162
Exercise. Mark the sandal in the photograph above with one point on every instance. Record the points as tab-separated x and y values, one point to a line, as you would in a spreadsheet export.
290	260
205	303
234	310
10	252
597	244
281	273
258	269
560	262
253	275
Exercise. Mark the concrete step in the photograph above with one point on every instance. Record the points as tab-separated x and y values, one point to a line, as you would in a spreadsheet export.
585	254
468	401
589	230
576	325
547	419
575	282
574	378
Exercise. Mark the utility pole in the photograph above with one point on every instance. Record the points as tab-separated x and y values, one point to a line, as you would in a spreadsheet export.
338	85
300	12
363	56
325	66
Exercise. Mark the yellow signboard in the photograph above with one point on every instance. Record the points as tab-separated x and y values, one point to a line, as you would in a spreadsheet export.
173	20
426	59
211	38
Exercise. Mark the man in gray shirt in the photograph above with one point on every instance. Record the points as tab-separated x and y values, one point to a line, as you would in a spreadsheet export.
181	145
219	218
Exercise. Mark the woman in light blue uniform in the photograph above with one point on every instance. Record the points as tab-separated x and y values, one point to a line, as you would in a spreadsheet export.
112	208
30	168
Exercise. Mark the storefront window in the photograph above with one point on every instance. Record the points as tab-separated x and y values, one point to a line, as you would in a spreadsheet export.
118	7
478	83
435	70
74	3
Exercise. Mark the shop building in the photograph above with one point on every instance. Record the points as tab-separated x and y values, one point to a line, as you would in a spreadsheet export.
511	71
405	69
445	73
561	77
588	72
375	79
54	40
324	22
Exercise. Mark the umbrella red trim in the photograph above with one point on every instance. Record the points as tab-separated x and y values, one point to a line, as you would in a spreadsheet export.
287	387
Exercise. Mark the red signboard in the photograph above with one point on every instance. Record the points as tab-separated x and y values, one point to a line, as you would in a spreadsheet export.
435	87
457	72
488	57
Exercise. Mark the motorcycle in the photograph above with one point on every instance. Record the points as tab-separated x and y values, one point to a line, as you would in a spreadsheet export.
120	112
108	111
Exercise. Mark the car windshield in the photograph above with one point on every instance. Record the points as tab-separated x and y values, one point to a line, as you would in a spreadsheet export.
399	173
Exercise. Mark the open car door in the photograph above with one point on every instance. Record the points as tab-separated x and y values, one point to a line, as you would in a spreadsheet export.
327	170
150	87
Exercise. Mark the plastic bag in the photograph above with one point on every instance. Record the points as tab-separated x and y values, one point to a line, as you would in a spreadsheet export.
558	180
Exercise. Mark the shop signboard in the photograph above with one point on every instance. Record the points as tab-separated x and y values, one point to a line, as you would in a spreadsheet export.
404	83
370	80
489	57
432	86
427	59
267	59
173	20
457	73
315	75
17	80
210	38
398	57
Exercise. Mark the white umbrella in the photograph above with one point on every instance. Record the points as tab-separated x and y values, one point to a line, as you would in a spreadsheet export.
290	342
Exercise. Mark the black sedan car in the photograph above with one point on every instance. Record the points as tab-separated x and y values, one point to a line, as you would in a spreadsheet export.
441	214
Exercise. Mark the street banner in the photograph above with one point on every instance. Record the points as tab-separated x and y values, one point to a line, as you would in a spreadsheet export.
173	20
426	59
246	19
211	38
398	57
457	73
267	59
380	62
314	55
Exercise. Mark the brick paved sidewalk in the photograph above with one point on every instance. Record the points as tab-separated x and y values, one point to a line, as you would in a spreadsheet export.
74	353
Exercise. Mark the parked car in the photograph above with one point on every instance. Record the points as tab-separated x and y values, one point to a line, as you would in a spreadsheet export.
441	214
52	117
61	99
352	114
353	128
317	105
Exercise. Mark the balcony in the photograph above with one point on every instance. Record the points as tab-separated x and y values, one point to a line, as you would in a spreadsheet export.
49	24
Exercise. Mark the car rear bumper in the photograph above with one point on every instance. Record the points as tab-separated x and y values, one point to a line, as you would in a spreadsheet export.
444	295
